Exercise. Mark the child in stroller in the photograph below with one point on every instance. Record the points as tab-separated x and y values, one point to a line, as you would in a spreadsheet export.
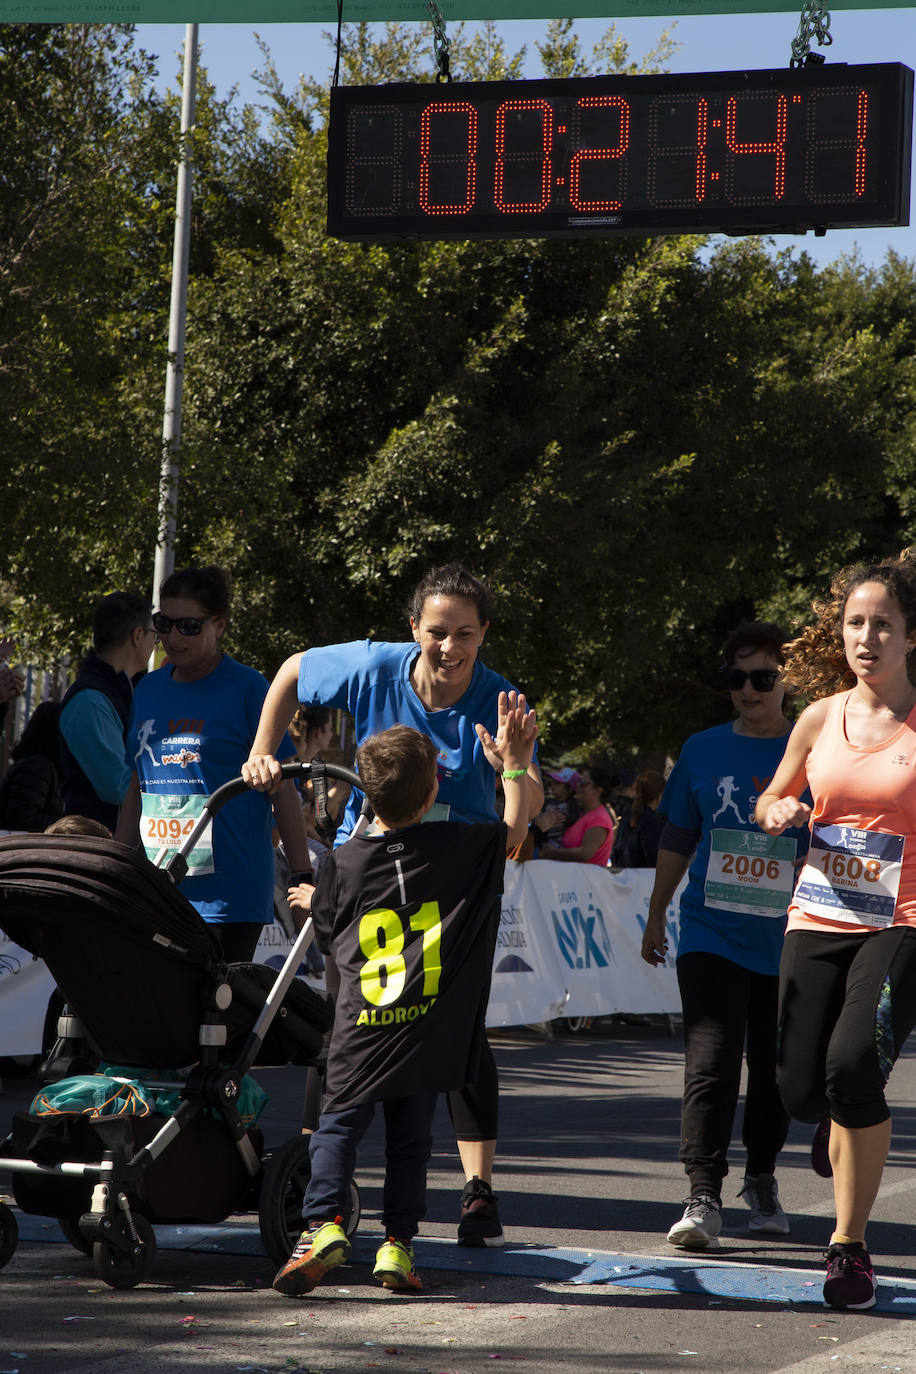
409	913
146	985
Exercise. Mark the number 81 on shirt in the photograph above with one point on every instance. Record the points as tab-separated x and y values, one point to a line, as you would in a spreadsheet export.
382	938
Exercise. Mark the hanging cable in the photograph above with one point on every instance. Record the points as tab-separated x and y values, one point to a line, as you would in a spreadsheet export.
814	23
336	80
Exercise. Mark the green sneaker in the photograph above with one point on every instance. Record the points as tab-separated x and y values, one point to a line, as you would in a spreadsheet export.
315	1254
394	1267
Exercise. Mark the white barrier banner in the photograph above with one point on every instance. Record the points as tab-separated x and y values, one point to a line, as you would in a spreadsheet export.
527	986
568	945
25	987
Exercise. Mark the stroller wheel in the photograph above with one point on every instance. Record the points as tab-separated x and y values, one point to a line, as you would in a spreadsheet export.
71	1229
286	1175
9	1234
125	1267
351	1220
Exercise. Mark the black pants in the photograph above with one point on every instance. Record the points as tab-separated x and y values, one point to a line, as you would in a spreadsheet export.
474	1109
408	1141
239	939
725	1006
847	1004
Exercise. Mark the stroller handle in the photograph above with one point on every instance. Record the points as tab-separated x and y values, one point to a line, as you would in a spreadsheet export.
177	864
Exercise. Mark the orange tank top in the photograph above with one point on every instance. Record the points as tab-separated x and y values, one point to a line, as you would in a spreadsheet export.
861	868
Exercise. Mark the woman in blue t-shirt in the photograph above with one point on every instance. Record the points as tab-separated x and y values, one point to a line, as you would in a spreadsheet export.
191	726
436	683
732	924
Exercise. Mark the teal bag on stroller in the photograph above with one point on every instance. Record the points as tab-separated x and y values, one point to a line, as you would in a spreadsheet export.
93	1094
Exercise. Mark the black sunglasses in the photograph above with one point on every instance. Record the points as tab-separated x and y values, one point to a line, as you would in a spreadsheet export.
762	679
187	625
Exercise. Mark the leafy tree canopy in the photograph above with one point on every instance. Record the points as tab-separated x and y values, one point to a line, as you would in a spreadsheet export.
637	441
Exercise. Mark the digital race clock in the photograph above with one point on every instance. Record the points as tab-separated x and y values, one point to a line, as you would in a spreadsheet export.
739	152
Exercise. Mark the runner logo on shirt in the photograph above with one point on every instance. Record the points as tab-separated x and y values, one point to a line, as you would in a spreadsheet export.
143	745
725	791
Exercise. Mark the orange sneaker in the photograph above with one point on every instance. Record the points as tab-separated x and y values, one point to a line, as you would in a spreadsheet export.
315	1254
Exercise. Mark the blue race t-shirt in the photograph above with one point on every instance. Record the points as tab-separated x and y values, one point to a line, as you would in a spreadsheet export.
740	880
185	739
371	680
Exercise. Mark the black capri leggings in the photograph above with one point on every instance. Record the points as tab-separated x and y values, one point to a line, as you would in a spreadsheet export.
474	1109
846	1006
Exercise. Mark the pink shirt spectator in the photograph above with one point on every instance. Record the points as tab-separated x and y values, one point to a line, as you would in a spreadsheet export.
574	836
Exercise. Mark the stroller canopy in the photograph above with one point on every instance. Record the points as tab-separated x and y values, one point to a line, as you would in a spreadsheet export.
126	948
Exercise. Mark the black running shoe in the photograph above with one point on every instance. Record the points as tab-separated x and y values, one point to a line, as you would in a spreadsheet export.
479	1224
850	1282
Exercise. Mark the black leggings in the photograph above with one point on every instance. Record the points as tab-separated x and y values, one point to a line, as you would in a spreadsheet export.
729	1011
846	1006
239	939
474	1109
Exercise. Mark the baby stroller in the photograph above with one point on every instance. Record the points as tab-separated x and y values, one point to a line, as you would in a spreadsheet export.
145	985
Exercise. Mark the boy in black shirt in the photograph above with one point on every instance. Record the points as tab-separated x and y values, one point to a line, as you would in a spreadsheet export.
409	913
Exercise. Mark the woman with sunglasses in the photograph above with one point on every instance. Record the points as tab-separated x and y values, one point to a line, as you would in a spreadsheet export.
848	973
191	727
732	921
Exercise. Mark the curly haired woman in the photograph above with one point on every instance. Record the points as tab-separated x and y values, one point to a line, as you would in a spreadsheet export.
848	971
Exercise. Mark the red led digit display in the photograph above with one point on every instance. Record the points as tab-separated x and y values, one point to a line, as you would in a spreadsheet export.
444	164
523	187
616	105
770	189
739	152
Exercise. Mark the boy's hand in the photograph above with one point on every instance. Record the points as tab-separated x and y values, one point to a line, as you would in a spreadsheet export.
516	732
301	896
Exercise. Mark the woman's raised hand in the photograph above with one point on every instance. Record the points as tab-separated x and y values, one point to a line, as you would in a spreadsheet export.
516	732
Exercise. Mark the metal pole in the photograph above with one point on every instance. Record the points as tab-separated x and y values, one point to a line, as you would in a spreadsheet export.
174	377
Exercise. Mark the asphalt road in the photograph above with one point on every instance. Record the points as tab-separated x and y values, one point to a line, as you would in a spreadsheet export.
588	1185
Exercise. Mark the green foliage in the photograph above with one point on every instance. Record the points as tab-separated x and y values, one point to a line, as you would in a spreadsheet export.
638	441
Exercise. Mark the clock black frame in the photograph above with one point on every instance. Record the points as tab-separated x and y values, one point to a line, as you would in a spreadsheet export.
817	147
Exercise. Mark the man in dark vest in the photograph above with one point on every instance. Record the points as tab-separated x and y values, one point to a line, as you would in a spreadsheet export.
94	770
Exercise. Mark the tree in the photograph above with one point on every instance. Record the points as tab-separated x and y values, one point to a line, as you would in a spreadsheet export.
638	441
86	212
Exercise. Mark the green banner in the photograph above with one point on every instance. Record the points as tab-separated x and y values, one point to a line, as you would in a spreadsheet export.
325	11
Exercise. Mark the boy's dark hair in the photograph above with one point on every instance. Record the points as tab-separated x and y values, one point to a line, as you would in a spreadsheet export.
397	769
79	825
755	636
115	616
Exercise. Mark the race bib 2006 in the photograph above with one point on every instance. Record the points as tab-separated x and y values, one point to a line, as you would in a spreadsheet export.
750	872
851	875
165	824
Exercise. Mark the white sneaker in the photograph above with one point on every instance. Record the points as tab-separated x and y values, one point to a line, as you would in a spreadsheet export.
699	1226
762	1196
